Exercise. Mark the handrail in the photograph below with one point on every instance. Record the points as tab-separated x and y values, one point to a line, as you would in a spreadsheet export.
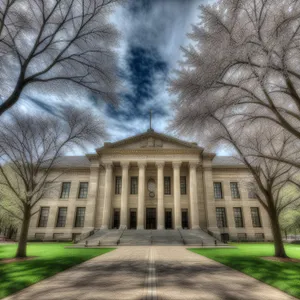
182	239
85	235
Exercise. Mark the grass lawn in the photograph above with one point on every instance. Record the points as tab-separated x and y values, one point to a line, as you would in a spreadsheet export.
246	258
52	258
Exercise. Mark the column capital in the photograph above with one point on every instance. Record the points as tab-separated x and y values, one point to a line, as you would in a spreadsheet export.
125	164
160	164
108	165
176	164
193	164
142	164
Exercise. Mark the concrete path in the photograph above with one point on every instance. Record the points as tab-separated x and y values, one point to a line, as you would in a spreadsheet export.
148	273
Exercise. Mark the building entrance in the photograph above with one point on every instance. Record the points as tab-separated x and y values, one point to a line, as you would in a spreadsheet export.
185	219
116	220
168	219
150	218
132	219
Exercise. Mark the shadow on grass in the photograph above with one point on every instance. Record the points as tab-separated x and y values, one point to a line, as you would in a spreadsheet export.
18	275
282	275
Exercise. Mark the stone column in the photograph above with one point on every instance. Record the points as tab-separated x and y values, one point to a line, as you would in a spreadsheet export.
160	195
124	195
176	183
194	213
141	195
107	196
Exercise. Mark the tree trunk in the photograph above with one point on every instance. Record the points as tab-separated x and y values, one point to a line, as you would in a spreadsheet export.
278	243
22	244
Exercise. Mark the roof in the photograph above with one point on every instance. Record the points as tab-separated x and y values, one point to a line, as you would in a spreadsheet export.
227	161
147	134
73	161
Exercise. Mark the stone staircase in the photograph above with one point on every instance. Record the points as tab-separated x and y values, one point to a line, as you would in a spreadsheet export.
122	237
198	237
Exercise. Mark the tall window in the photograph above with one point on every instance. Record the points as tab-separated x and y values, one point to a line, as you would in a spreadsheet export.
61	217
83	189
118	186
221	217
65	190
79	219
251	194
134	186
218	190
238	217
167	185
44	214
183	185
235	194
255	217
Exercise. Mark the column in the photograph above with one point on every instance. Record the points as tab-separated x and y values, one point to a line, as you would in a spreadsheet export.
176	183
107	196
194	210
124	195
160	195
141	195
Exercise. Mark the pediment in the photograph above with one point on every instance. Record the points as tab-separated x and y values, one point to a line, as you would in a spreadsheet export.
150	140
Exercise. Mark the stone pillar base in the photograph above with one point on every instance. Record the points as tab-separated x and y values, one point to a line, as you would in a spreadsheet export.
104	227
123	227
160	227
196	227
140	227
178	227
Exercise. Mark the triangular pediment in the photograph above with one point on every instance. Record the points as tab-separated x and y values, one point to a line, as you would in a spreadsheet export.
150	140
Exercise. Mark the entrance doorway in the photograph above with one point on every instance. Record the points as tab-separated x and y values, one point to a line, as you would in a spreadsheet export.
150	218
116	219
184	219
132	219
168	219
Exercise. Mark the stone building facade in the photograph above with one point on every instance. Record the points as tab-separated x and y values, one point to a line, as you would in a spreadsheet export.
151	181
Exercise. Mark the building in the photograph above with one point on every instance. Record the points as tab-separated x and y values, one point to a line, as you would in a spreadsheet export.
151	181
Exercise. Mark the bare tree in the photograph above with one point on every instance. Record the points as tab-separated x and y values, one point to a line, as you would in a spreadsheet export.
30	148
58	44
245	56
253	145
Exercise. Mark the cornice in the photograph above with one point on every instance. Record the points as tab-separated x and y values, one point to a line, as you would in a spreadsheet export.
156	151
149	134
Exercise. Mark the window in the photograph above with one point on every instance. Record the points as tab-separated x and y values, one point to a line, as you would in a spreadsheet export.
183	185
167	185
79	219
221	217
134	186
242	236
235	194
255	217
251	194
44	217
65	190
61	217
218	190
118	186
238	217
83	190
259	236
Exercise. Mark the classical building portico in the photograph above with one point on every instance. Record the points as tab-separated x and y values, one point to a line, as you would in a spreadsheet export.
151	181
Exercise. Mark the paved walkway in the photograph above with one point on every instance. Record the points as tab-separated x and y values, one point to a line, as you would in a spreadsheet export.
148	273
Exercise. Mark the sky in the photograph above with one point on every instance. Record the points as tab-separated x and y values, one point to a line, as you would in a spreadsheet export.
152	32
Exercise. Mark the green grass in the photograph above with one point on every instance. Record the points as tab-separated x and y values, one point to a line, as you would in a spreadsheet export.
52	258
246	258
